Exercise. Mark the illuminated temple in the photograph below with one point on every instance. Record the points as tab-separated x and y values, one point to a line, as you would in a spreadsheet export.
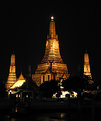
52	66
20	81
87	71
12	81
12	73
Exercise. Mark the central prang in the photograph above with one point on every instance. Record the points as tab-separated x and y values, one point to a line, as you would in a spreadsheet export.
52	55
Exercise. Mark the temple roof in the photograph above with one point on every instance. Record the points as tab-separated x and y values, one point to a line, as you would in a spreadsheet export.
19	82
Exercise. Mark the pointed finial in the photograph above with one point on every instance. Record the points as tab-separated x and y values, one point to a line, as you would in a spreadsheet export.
52	18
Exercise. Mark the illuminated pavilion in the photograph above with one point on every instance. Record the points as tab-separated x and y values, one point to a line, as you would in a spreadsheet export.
20	81
52	66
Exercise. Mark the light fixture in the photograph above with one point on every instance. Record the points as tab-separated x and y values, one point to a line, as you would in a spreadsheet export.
52	18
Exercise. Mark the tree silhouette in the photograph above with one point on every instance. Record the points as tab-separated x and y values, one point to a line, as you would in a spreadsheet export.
48	88
2	89
30	85
74	83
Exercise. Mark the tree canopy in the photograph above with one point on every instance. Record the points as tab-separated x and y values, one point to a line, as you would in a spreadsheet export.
2	89
48	88
74	83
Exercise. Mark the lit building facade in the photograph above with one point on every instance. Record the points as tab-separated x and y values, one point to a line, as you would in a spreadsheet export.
87	71
12	73
20	81
52	66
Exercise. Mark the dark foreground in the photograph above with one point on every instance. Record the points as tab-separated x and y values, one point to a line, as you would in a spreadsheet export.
73	110
72	115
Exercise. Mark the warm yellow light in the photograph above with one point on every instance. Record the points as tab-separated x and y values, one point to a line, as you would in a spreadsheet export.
87	65
16	110
75	94
17	95
10	92
62	115
64	93
52	54
19	83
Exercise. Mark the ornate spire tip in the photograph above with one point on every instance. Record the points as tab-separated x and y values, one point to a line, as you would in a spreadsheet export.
52	18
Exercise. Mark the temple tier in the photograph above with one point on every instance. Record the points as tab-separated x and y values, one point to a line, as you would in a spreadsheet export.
52	66
12	73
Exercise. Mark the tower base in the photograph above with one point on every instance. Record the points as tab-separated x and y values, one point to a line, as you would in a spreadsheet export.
59	70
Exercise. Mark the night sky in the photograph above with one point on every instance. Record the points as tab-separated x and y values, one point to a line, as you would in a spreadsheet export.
24	30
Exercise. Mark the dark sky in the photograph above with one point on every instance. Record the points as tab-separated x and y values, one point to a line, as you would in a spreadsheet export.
24	30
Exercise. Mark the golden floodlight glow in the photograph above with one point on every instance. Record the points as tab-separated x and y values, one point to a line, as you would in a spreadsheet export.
64	93
12	73
75	94
19	82
51	66
87	71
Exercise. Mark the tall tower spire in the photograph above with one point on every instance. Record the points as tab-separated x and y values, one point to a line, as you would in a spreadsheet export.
12	73
87	71
52	32
52	55
52	51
